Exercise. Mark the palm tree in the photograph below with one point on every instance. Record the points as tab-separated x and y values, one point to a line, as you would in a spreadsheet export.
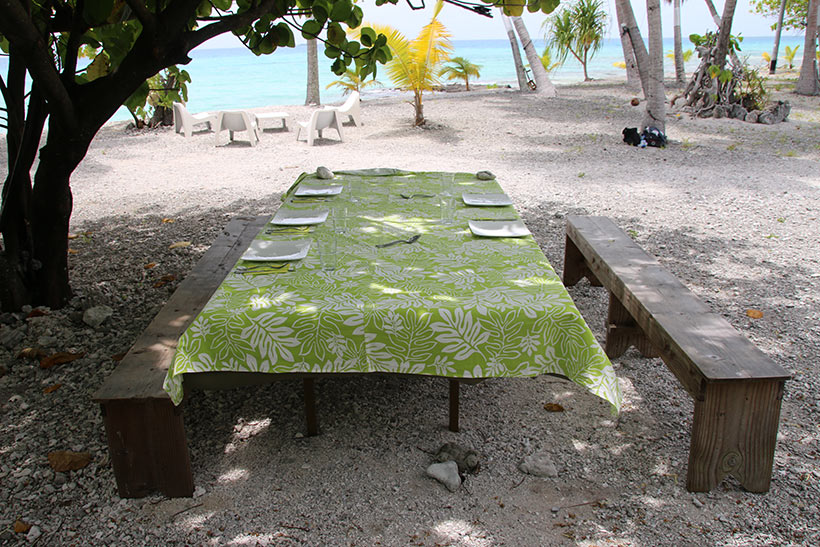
776	48
519	65
542	81
351	81
807	83
461	69
416	64
312	95
632	76
656	97
724	34
680	71
578	29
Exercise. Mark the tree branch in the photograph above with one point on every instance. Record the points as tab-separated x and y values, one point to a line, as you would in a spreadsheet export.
149	22
18	28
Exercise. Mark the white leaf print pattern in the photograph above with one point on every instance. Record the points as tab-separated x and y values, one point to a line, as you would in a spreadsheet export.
462	336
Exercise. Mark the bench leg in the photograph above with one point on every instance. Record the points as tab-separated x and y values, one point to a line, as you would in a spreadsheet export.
575	267
148	448
310	407
454	388
734	432
622	331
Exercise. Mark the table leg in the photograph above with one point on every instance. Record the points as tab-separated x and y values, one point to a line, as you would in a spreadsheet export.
310	407
454	385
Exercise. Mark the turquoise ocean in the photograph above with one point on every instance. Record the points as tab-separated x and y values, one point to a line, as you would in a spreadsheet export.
235	78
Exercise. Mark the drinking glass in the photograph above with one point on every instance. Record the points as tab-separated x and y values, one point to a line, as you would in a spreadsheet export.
328	247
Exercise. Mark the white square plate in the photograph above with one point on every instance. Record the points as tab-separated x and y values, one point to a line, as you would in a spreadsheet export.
486	200
318	190
299	217
499	228
261	250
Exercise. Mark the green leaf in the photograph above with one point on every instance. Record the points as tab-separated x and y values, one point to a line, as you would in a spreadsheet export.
341	10
223	5
97	11
332	52
368	36
311	29
98	68
338	67
336	34
320	12
204	9
355	17
284	36
4	44
714	70
725	76
138	98
352	48
267	46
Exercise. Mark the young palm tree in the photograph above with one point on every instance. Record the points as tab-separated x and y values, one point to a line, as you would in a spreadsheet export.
460	69
416	64
351	81
680	72
578	30
543	84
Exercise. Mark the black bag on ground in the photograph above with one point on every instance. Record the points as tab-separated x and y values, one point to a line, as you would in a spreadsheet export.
631	136
654	137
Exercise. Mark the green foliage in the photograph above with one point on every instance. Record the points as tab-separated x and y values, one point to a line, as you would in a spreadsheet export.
351	81
687	55
710	39
794	17
460	68
790	53
516	7
547	63
577	29
751	90
415	64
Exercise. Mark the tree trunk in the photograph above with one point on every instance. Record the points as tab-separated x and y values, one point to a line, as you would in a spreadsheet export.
419	107
713	12
776	48
630	28
807	83
724	34
680	71
633	79
312	74
542	81
656	98
519	65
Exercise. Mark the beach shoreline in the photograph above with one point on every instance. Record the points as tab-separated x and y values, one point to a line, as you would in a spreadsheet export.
730	208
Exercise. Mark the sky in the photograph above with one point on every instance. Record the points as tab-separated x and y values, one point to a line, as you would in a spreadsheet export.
465	25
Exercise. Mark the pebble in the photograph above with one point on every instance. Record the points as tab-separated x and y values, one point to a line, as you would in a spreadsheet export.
539	464
96	316
446	473
697	503
33	533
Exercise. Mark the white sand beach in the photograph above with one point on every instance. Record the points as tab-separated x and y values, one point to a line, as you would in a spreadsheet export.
730	208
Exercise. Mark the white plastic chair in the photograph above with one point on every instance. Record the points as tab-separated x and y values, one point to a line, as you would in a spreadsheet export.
184	122
237	121
320	120
351	107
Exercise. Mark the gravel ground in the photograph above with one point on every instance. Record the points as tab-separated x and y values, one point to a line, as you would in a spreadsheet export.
730	208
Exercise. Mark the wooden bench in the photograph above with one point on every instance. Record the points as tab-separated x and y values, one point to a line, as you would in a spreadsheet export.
736	388
145	431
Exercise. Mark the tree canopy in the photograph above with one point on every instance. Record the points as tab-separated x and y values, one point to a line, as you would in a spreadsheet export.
794	17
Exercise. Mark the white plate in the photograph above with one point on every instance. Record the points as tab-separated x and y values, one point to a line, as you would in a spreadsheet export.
319	190
299	217
498	228
486	200
277	250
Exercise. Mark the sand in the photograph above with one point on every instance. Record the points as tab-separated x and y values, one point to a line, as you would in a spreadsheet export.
731	208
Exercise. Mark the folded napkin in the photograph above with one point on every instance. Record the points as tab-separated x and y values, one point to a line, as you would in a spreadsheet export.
289	229
264	268
311	199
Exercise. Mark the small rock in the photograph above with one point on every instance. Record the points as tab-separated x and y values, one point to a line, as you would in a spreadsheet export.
46	341
324	173
34	533
11	338
752	116
59	478
538	464
697	503
466	459
199	492
484	175
299	435
96	316
66	460
446	473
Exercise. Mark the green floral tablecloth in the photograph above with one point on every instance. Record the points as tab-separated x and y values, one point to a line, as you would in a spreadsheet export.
450	304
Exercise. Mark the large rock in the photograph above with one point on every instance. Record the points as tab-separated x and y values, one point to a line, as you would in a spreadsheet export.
96	316
466	459
446	473
539	464
10	338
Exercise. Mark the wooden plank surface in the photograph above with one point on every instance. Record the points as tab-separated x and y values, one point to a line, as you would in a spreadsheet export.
702	345
141	373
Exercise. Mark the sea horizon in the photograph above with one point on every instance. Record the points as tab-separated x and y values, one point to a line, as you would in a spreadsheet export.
234	78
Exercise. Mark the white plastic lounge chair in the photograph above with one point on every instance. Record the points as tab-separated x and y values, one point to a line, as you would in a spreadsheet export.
319	120
265	116
351	107
237	121
184	122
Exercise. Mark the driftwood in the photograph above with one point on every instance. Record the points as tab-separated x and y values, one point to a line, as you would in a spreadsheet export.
707	95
